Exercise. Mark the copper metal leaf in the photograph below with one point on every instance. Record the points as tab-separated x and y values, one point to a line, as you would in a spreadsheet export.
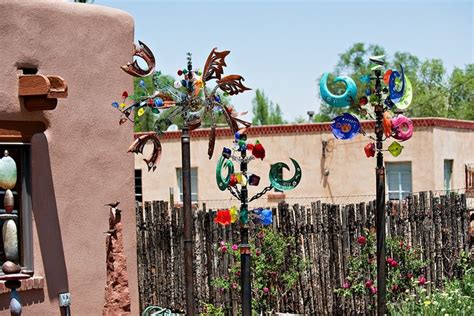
144	52
215	63
212	141
232	84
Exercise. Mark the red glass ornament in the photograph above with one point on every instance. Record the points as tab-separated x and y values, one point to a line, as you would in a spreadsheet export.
363	101
369	150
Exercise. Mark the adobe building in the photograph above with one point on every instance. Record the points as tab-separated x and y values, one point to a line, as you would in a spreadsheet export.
71	156
439	156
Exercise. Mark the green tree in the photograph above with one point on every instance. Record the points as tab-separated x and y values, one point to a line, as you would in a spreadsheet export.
264	111
435	93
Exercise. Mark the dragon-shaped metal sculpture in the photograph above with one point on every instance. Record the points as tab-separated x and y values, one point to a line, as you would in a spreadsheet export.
189	98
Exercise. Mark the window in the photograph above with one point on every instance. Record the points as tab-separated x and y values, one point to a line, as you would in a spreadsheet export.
194	184
448	174
398	180
469	170
20	217
138	185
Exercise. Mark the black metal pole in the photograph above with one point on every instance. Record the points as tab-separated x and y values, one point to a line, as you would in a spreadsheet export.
188	220
380	202
245	247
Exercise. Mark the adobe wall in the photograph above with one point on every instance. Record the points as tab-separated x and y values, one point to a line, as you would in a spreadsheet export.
351	177
80	162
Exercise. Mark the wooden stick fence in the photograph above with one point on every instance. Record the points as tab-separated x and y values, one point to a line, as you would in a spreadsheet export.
325	238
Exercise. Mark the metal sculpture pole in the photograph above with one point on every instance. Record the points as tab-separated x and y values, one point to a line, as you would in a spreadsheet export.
244	245
380	200
187	211
188	220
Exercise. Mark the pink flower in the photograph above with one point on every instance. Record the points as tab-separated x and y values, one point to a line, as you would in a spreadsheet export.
222	243
237	273
235	247
258	252
401	243
394	264
369	284
389	260
373	290
409	275
266	290
394	287
234	285
346	284
421	280
224	248
362	240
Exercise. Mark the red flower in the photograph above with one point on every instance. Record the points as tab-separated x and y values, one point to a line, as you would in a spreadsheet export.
258	151
373	290
401	243
266	290
394	264
421	280
224	249
362	240
258	252
394	287
369	284
409	275
389	260
346	284
223	217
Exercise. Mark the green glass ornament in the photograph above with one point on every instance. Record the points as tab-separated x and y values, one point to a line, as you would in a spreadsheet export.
244	216
222	182
281	184
395	149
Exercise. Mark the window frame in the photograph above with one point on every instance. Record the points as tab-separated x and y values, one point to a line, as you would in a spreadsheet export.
179	180
450	182
400	192
25	222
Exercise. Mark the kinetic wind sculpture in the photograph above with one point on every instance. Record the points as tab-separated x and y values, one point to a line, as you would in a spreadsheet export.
397	94
392	92
189	98
232	181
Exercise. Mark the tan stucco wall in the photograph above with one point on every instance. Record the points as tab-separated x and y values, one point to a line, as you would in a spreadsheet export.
350	172
80	163
456	145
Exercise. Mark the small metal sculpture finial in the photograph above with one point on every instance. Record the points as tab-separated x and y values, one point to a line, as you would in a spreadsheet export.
5	153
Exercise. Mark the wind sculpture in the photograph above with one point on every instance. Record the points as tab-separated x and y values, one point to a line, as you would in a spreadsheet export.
232	181
392	94
190	98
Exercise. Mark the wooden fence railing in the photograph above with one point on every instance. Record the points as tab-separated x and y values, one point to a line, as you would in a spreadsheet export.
325	235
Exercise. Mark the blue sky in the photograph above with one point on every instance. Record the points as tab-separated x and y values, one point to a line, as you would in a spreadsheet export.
282	47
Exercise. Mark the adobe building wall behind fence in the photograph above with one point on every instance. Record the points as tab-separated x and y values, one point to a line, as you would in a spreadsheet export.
350	173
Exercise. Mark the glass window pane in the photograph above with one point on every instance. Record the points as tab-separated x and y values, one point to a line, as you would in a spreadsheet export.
399	179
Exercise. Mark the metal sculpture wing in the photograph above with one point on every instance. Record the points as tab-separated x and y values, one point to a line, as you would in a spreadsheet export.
232	84
139	144
146	54
215	63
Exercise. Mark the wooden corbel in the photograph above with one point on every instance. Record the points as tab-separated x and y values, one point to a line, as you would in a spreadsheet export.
40	92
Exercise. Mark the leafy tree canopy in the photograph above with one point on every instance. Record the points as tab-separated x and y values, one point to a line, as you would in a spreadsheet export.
264	111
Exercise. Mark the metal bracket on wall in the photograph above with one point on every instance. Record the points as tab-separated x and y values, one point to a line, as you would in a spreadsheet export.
40	92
